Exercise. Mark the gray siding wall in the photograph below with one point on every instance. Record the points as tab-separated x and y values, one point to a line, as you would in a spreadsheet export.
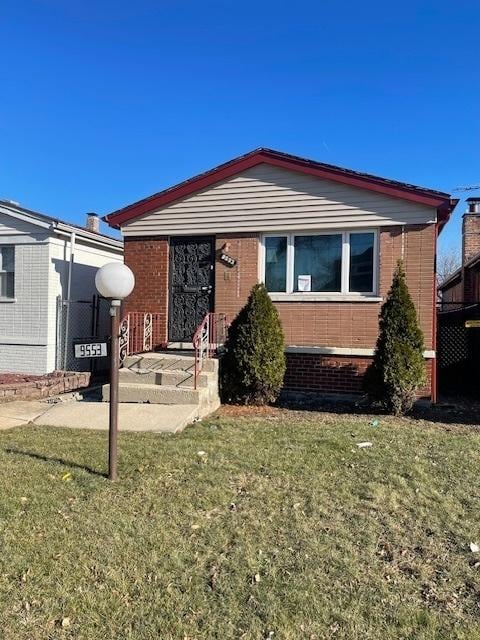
266	198
23	323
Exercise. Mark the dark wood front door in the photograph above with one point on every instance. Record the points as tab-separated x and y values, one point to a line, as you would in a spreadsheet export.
192	261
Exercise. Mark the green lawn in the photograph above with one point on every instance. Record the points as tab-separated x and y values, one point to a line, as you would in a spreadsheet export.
284	530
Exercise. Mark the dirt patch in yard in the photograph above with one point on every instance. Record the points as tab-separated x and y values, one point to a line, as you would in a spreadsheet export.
448	413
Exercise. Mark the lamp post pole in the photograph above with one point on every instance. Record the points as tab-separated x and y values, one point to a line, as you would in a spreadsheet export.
113	409
114	281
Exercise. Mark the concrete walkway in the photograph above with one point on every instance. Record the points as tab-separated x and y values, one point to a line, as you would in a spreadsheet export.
13	414
74	414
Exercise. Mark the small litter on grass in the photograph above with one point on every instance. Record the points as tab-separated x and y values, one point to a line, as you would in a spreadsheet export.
374	423
61	622
201	453
474	548
364	445
67	476
23	499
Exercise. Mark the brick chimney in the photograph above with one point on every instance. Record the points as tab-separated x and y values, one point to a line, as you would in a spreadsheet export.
471	230
93	222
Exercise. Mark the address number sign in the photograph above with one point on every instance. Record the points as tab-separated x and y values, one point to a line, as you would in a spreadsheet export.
91	350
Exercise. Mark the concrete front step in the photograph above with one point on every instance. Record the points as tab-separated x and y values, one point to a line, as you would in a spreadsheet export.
167	361
170	378
154	394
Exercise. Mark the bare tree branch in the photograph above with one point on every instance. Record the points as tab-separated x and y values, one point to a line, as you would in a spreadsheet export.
448	261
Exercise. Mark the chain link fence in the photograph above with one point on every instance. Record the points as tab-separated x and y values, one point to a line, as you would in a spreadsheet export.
77	319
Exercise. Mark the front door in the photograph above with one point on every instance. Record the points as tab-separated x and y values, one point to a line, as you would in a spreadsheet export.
192	261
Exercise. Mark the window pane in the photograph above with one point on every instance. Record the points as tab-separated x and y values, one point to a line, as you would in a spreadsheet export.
361	262
276	264
6	285
7	259
319	257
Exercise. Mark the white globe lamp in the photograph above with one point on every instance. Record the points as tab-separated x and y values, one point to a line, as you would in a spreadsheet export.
114	281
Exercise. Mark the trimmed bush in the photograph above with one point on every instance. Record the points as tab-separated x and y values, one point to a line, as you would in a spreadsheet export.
398	367
253	366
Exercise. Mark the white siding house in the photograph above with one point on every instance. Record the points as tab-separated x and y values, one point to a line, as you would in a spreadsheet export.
39	256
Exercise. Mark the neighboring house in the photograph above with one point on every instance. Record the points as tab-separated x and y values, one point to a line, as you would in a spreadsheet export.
44	262
463	286
325	241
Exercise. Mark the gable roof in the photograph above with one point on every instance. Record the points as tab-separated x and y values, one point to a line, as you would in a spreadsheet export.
429	197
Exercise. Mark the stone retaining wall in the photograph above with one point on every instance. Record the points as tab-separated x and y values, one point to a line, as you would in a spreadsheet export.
35	387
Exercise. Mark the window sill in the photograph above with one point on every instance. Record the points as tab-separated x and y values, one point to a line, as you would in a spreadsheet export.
8	299
323	297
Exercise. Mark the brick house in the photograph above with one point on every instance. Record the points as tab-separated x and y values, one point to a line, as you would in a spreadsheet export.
325	241
463	286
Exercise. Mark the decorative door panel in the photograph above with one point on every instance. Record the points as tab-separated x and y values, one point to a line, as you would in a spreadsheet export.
192	262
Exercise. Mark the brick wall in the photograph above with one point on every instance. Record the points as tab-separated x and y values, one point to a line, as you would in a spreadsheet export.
342	324
337	324
470	236
331	324
332	374
148	259
233	284
328	374
43	387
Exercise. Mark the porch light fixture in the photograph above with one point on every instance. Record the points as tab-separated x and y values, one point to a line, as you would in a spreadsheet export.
114	281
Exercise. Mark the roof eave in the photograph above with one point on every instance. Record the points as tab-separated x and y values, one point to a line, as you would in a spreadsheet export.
444	213
90	236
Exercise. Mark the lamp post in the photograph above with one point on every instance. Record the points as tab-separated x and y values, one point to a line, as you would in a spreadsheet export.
114	281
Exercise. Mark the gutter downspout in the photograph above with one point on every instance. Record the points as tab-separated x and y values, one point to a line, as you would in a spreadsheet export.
433	390
67	301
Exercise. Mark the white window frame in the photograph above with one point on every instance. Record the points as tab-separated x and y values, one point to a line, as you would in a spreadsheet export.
345	293
8	298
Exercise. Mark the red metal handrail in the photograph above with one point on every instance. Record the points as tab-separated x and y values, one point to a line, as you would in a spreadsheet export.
210	334
140	331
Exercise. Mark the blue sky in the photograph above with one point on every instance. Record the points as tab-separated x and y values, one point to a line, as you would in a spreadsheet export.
105	102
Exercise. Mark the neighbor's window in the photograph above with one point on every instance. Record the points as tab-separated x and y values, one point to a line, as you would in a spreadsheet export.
323	262
7	272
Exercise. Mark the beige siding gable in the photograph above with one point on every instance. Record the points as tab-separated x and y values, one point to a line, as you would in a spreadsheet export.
266	198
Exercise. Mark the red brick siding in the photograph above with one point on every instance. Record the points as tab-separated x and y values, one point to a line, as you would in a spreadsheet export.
43	386
470	236
327	374
350	325
148	259
341	324
233	284
332	374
